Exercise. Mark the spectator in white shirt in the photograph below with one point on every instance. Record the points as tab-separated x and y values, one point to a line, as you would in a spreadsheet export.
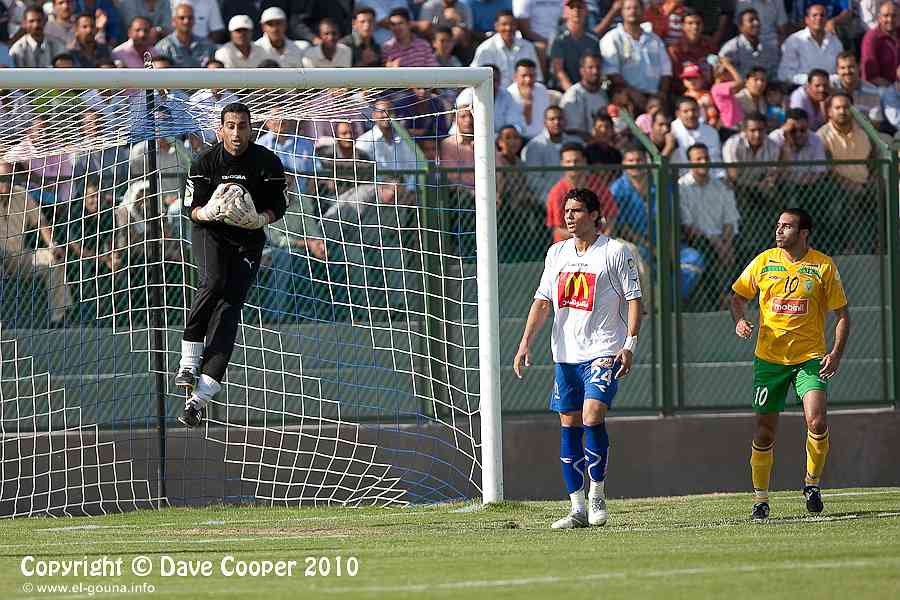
543	150
240	53
505	49
208	20
383	142
506	112
538	20
61	21
530	96
583	99
328	52
709	219
636	58
287	53
812	48
35	49
795	143
689	130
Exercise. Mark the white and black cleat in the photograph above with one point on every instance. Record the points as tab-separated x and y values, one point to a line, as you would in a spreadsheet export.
186	378
193	414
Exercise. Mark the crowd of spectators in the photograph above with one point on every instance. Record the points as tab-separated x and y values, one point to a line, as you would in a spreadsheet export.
738	81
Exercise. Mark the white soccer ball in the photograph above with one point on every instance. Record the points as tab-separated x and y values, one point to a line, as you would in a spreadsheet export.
237	195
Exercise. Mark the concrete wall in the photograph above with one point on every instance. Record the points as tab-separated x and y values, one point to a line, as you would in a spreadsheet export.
653	456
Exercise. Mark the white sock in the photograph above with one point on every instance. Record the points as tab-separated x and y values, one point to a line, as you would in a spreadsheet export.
191	355
597	489
577	499
206	388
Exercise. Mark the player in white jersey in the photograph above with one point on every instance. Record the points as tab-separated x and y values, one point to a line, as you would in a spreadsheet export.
592	284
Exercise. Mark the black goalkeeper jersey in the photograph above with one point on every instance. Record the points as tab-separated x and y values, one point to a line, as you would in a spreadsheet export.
258	169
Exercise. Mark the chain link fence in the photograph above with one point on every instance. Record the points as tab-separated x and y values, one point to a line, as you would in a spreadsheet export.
688	327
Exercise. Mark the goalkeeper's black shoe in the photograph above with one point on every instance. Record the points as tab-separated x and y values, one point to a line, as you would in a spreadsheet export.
813	499
192	416
760	511
186	379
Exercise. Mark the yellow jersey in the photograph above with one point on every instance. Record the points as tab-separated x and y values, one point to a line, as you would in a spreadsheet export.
793	300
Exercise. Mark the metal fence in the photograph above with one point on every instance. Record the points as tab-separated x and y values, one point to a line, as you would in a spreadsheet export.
688	357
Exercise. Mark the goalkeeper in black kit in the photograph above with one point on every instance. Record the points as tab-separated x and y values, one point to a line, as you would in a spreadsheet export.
233	191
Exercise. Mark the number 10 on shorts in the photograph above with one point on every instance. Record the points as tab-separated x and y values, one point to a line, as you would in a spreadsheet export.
762	395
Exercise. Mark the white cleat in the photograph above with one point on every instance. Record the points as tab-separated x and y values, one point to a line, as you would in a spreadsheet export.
574	520
597	514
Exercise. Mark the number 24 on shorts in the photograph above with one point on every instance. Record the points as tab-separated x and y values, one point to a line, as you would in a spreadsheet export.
601	374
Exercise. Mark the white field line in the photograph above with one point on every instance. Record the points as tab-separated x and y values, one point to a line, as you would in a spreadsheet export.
311	535
872	493
625	575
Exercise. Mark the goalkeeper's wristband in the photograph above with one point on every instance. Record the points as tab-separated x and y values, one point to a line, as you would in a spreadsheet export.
630	343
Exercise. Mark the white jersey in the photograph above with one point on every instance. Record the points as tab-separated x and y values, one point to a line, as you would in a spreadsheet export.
589	293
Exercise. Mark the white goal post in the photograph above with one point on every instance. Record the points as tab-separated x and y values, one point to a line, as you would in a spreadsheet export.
480	79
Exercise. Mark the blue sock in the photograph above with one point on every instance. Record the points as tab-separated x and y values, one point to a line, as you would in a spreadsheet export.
596	450
571	455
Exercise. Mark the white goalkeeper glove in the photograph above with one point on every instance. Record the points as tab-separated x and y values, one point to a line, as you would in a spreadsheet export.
214	210
240	212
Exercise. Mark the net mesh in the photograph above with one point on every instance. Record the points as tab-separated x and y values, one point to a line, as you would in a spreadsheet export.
355	374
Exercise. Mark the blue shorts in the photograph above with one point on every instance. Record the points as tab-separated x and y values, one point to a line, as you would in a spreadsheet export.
590	380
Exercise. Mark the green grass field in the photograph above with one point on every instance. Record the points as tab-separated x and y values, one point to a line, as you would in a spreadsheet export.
682	547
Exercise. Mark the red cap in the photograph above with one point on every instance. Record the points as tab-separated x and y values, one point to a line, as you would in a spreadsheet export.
690	71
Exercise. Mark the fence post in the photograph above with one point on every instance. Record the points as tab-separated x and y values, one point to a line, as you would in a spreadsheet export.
892	238
665	291
666	262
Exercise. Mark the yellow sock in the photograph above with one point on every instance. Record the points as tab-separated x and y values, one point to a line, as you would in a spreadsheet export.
816	452
761	460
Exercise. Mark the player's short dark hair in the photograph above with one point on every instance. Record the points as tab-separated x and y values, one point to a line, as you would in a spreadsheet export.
400	12
237	108
697	146
527	63
796	114
571	147
806	220
364	10
817	73
588	198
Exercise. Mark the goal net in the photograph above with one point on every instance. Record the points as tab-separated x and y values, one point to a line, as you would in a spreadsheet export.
365	365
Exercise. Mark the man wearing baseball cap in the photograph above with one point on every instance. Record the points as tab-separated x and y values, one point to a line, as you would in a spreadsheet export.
254	9
274	41
239	53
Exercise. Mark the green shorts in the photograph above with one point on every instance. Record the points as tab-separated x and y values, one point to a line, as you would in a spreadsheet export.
771	381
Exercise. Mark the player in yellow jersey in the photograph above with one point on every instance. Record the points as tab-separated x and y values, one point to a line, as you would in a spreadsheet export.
797	286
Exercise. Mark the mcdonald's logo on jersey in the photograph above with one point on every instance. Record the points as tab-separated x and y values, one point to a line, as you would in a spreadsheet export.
576	290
